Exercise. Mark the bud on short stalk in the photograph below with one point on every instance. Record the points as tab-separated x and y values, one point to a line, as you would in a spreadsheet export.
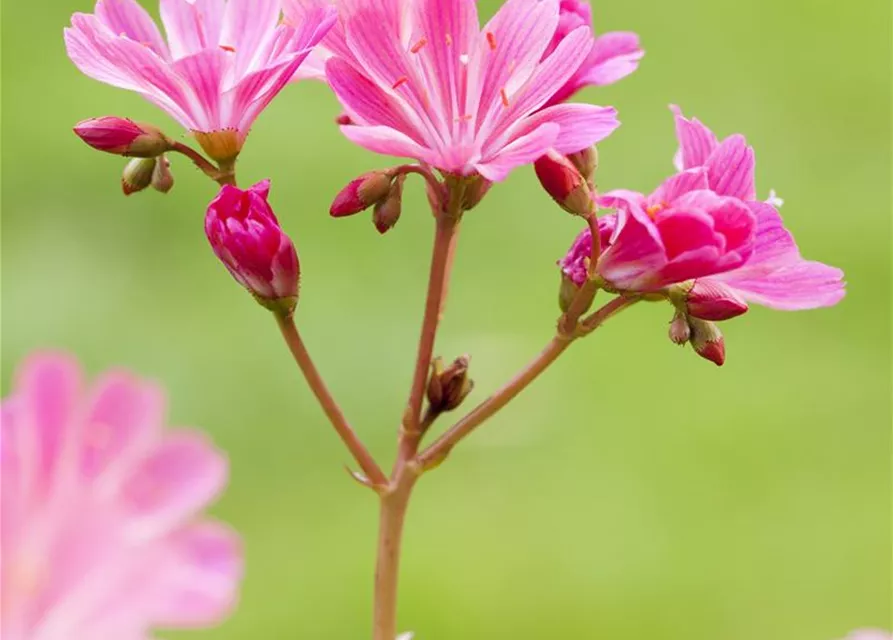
707	341
564	183
245	234
680	332
586	162
361	193
137	175
123	137
162	178
448	387
387	212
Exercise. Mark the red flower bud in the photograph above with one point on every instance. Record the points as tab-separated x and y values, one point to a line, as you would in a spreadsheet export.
246	236
586	161
564	183
361	193
713	301
122	137
707	341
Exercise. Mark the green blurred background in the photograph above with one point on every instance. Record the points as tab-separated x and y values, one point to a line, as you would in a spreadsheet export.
635	491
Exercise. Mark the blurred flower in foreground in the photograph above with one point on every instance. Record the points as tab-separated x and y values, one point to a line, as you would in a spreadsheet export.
869	634
245	234
222	64
102	533
428	82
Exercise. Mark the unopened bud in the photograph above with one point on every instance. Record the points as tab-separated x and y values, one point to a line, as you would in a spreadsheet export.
162	178
137	175
564	183
343	120
707	341
475	190
679	332
448	387
361	193
707	299
567	292
123	137
586	161
387	211
245	234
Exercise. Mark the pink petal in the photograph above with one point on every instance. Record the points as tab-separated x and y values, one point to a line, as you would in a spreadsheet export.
696	141
367	104
46	388
247	27
203	72
256	90
198	584
679	185
182	475
128	18
439	57
636	253
123	417
546	79
521	151
614	56
732	219
192	25
582	125
521	30
802	284
730	169
684	230
387	141
696	261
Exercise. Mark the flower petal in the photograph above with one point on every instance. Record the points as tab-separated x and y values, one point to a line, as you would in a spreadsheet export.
128	18
388	141
696	141
636	254
192	25
522	150
730	169
678	185
248	26
582	125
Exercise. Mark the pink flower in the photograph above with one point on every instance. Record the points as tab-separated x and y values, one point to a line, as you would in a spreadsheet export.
869	634
703	224
122	136
246	236
222	64
102	531
681	231
775	275
614	55
424	81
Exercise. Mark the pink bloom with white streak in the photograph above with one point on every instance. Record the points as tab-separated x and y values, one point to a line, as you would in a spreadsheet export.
423	80
102	535
775	275
614	55
704	224
222	64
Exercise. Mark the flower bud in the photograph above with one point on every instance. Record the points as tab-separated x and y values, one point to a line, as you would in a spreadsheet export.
707	340
567	292
475	190
708	300
586	162
361	193
122	137
162	178
137	175
387	212
679	332
448	387
563	182
245	235
344	120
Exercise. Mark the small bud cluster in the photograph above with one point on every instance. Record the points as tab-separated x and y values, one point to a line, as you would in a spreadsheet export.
568	180
448	386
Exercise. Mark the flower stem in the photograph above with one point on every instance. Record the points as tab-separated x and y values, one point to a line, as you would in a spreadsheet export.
296	345
392	515
440	449
447	225
218	175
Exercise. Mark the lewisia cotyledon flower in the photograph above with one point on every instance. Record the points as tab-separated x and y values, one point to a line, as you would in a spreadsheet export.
102	532
222	64
423	80
704	225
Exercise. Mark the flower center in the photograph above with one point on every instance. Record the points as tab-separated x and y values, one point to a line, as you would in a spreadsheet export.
655	209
